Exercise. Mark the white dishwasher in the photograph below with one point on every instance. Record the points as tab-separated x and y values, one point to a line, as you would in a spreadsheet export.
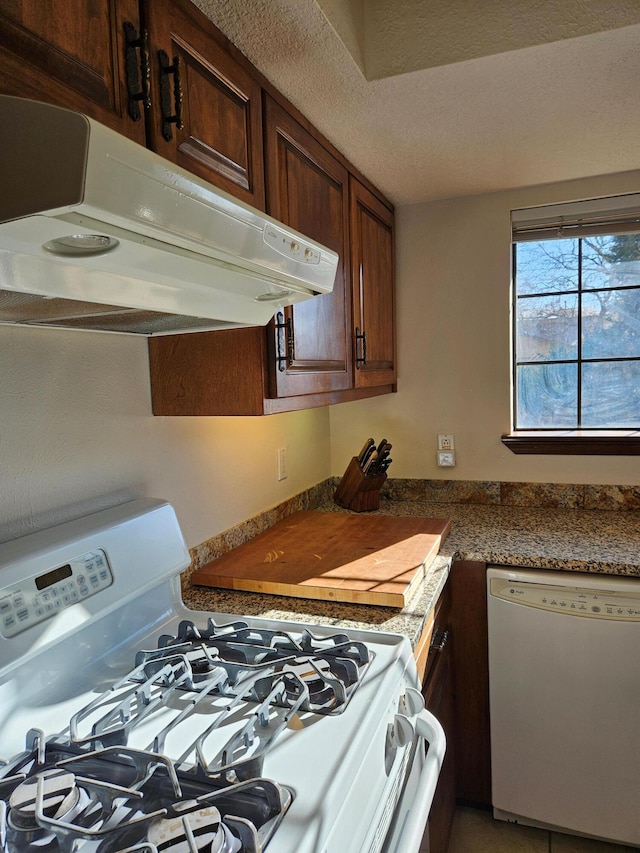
564	679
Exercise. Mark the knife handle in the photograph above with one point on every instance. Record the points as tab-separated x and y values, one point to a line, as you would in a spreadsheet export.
380	447
370	463
369	443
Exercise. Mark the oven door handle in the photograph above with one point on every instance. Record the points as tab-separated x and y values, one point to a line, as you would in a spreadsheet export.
428	728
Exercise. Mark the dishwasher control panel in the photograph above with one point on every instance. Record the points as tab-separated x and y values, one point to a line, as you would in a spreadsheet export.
576	601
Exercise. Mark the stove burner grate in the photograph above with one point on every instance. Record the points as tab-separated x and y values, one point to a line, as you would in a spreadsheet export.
198	672
117	800
332	665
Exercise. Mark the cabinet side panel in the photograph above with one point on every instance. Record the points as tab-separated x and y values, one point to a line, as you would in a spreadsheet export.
208	373
471	682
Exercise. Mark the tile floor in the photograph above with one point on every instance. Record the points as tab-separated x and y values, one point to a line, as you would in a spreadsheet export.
476	831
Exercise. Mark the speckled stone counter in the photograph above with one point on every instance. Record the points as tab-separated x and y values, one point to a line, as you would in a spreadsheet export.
575	540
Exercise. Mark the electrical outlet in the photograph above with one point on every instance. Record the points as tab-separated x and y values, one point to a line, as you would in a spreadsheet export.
446	459
282	463
445	441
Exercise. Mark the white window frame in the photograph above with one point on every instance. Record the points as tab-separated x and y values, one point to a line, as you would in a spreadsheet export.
589	217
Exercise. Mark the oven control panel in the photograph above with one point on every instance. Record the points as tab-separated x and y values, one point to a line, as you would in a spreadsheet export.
28	602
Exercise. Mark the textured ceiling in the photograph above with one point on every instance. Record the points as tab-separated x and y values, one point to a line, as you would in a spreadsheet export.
440	98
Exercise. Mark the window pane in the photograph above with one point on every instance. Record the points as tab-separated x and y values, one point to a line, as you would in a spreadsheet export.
577	332
611	324
546	396
611	395
612	261
547	328
547	266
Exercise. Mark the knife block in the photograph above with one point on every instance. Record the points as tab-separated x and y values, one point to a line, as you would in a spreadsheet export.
357	492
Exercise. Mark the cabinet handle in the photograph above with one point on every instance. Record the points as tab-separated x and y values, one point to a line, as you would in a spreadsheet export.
284	342
362	338
169	118
439	640
137	76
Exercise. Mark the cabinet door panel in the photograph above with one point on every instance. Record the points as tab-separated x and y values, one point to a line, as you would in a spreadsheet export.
439	700
373	289
221	135
71	53
308	190
438	696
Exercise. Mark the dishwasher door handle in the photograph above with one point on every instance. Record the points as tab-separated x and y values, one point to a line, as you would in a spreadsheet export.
429	729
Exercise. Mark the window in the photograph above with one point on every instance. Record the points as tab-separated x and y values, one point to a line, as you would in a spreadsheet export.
576	320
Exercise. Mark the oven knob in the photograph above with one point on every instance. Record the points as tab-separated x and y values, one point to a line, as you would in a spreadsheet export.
411	702
399	733
403	730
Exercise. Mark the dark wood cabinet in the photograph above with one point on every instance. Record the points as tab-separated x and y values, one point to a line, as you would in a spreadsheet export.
471	682
456	691
224	373
159	72
308	189
372	285
76	54
206	109
243	371
156	71
438	696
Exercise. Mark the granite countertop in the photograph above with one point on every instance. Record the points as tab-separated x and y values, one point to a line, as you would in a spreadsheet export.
562	539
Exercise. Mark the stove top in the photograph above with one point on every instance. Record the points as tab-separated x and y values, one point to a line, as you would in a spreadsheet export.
92	790
128	722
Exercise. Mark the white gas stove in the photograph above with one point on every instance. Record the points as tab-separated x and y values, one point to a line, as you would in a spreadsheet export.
128	722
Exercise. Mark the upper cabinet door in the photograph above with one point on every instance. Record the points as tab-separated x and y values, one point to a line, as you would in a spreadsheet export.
206	112
372	281
76	54
307	188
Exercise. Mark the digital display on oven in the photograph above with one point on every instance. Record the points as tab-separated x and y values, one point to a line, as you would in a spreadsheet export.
53	576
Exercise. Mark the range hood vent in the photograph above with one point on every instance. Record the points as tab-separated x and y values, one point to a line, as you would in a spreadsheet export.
97	232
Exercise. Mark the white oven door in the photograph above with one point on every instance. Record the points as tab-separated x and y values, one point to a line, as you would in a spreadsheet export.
407	831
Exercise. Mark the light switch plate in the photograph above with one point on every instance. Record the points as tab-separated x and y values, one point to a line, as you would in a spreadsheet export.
283	471
446	459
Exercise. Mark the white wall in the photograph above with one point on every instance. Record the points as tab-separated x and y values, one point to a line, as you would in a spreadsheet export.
77	434
453	273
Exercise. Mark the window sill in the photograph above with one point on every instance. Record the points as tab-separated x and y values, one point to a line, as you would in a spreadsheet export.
575	442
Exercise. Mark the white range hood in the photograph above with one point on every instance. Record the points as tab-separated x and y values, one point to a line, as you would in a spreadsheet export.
97	232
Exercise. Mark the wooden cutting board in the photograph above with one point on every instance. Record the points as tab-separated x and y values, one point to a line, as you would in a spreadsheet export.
333	556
